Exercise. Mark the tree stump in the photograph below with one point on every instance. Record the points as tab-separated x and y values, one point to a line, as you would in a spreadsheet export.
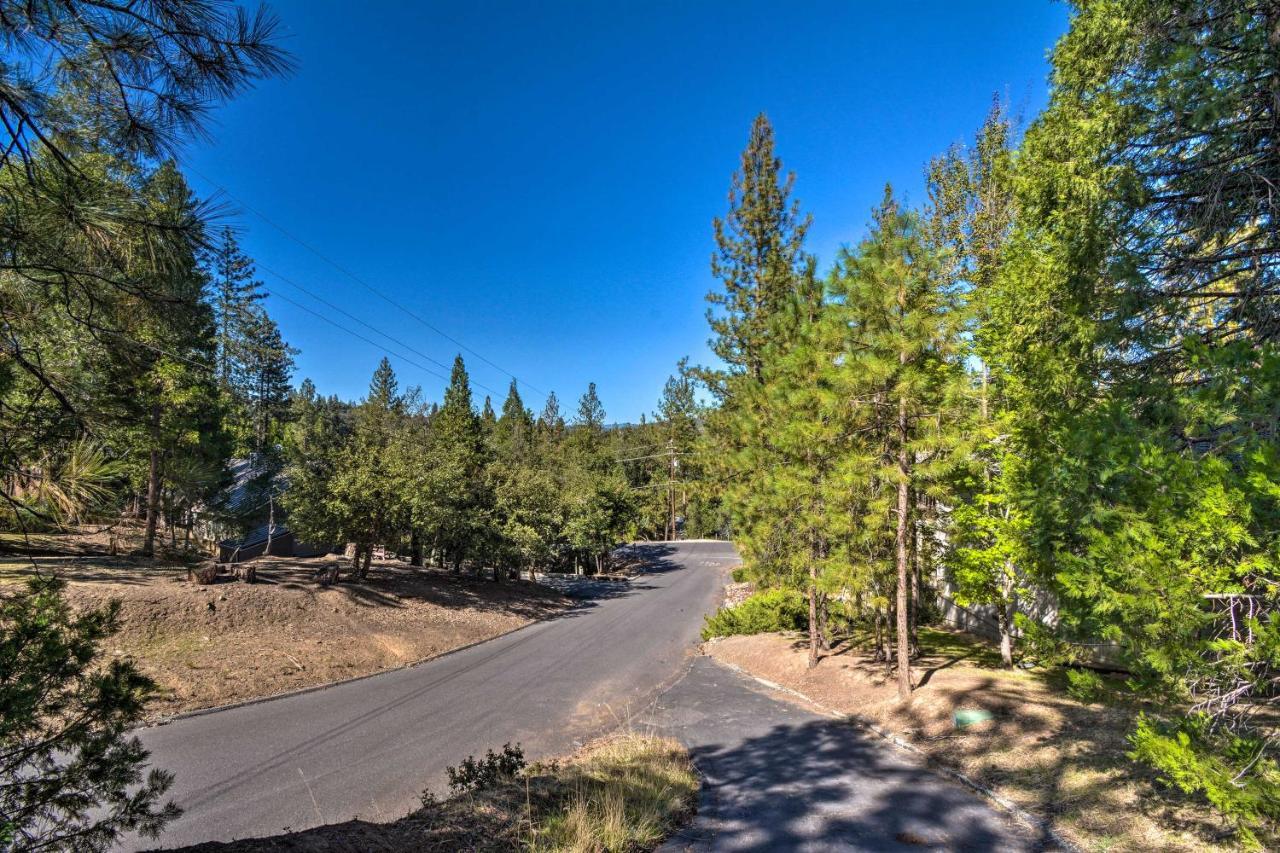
246	572
204	573
328	575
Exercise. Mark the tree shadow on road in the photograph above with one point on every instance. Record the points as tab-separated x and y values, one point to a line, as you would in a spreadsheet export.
791	788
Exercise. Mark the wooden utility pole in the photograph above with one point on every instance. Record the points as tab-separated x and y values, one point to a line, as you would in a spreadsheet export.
671	490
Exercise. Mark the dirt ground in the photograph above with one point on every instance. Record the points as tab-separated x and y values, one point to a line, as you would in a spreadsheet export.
1061	759
231	641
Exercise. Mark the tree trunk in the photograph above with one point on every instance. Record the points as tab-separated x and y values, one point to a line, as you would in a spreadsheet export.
415	549
814	632
368	559
904	472
153	486
1008	608
824	622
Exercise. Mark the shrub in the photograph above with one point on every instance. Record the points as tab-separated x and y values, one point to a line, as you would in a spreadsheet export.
479	775
739	575
72	776
770	610
1085	685
1232	772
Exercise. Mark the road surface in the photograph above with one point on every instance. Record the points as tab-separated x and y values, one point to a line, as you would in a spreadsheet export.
776	777
368	748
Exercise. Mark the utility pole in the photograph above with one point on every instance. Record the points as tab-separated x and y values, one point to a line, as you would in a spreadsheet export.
671	490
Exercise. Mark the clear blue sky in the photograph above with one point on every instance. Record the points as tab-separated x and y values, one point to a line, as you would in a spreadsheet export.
539	180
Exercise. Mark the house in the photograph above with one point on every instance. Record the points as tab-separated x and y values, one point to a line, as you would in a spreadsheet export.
280	543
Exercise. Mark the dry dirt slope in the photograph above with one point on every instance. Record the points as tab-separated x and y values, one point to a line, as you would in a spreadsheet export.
228	642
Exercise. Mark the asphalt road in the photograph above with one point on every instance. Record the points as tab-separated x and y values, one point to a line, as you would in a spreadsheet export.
368	748
777	777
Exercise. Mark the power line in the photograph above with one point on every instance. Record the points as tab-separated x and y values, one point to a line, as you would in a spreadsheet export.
375	291
368	326
354	333
349	315
667	455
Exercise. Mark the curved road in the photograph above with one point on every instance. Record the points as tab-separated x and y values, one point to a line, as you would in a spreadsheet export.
776	777
368	748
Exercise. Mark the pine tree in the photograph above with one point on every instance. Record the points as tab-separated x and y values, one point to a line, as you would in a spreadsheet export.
235	297
458	439
384	389
972	215
366	503
769	288
760	254
590	411
514	429
267	369
587	436
902	320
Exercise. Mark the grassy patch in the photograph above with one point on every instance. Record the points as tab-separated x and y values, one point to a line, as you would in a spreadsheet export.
624	794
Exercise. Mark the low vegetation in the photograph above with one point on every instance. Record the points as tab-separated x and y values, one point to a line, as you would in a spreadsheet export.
622	794
769	610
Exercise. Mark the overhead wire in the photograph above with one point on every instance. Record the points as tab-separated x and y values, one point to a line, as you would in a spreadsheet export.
375	291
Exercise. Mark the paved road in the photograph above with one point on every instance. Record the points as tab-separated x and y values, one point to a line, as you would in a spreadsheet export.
367	748
779	778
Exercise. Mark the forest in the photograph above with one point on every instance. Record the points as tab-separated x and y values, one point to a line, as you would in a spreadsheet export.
1051	381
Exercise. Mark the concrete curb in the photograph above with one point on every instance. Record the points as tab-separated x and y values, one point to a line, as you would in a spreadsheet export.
1004	803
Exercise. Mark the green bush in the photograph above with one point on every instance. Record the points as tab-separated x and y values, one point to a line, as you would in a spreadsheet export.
770	610
739	574
1231	772
72	774
482	774
1085	685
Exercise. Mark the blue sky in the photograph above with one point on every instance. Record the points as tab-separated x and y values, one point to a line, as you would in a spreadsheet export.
538	180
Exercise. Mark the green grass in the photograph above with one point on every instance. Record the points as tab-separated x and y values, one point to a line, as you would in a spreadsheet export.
935	642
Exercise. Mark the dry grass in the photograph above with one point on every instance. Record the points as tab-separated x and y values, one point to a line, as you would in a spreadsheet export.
226	642
627	793
1057	757
619	795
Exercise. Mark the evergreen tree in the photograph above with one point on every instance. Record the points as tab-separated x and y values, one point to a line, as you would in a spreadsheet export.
458	439
235	294
902	320
760	254
267	370
1134	322
318	430
365	501
514	429
587	436
972	214
72	769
